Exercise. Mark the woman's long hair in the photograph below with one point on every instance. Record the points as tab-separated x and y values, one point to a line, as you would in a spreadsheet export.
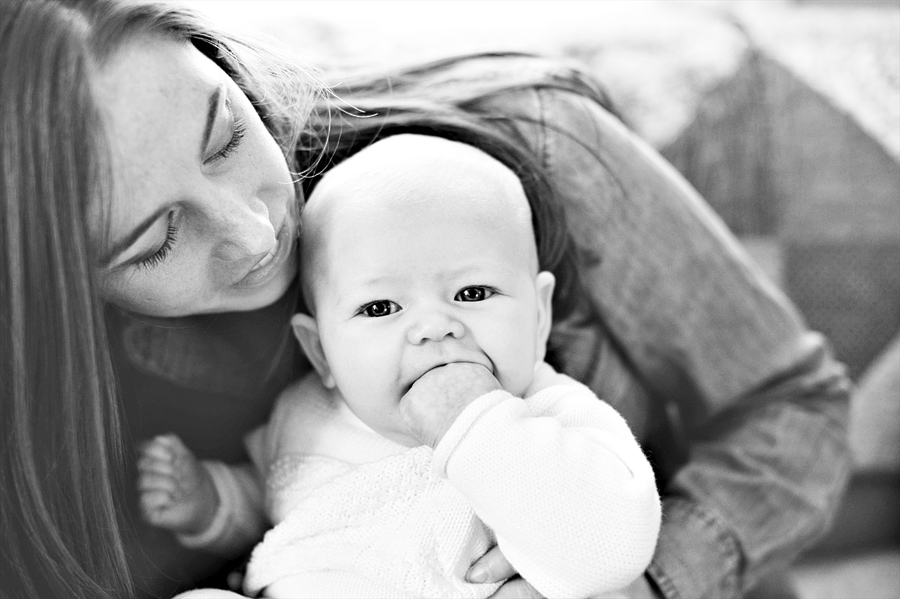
60	442
60	424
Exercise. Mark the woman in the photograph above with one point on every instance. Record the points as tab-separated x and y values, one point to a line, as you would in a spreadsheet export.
148	172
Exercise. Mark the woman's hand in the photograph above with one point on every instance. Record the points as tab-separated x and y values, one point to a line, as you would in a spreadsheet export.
209	594
639	589
440	395
493	567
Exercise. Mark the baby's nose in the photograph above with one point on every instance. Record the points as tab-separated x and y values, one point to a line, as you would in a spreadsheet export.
435	326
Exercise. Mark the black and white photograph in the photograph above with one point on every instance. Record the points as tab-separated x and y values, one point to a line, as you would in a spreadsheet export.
439	299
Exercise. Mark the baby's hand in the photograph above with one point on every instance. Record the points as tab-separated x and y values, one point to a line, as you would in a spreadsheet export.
177	492
435	400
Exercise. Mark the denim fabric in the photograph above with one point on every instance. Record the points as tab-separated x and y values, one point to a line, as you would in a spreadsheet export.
759	402
741	408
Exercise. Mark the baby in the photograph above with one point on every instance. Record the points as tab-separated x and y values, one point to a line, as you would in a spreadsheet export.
433	429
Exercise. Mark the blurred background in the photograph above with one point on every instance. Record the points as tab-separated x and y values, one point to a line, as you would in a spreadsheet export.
784	114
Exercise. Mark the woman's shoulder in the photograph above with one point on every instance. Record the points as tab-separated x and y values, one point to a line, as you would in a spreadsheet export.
513	69
526	82
469	81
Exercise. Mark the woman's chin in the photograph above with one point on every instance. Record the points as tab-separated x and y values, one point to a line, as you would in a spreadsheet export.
263	295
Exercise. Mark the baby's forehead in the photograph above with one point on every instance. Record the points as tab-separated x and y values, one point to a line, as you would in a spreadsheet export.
423	192
407	168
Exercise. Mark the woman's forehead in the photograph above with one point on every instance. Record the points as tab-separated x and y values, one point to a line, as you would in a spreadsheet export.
148	77
152	95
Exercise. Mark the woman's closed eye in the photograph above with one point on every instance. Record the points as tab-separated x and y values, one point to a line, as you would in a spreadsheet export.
379	308
477	293
238	131
163	252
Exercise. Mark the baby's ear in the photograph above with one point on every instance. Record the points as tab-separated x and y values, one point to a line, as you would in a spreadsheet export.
307	333
544	284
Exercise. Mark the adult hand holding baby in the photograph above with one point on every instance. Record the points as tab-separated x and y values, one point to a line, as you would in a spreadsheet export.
440	395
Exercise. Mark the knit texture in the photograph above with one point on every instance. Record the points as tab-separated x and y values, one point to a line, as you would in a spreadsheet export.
558	479
386	529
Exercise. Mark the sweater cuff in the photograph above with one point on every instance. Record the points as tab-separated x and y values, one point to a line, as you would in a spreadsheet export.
457	431
696	556
216	529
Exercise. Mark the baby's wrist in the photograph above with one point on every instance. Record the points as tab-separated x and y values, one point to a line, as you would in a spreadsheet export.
205	504
433	438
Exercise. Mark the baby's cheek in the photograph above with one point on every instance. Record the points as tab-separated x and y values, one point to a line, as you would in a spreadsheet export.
513	377
521	368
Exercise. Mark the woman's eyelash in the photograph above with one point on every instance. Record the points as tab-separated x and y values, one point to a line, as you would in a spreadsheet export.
163	252
237	136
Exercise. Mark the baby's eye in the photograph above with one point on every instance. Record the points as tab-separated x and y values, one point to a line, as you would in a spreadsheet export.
379	308
474	294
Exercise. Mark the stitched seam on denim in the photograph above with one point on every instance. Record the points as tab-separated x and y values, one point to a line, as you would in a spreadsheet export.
547	155
544	146
665	584
726	539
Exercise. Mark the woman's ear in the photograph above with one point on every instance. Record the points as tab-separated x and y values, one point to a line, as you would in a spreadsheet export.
307	333
544	284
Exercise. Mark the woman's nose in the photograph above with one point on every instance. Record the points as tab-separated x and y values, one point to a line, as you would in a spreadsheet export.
243	229
435	326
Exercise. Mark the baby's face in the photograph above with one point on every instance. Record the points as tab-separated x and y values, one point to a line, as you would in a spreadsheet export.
408	281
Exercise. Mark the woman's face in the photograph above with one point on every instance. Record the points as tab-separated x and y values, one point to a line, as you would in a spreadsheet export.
203	216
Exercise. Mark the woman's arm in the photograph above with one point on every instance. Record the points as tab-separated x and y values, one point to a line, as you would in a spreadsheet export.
694	323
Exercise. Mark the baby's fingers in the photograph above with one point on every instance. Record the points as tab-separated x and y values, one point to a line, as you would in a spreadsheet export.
151	481
162	447
152	465
154	501
155	506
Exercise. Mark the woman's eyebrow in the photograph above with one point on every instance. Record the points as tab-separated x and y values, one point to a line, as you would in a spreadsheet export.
123	244
211	111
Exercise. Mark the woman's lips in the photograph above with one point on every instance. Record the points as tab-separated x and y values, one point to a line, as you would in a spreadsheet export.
270	264
268	257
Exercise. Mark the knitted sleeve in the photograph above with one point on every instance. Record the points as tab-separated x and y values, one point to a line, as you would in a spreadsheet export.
562	482
240	520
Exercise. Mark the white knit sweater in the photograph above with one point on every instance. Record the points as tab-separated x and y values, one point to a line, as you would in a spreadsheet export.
557	480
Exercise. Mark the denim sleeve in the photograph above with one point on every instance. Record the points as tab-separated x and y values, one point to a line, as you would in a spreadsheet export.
763	403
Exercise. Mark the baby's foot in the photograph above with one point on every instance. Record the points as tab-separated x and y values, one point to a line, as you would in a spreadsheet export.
177	492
